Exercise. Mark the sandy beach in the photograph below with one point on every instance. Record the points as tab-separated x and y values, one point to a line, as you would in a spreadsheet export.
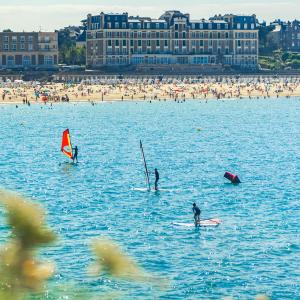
150	89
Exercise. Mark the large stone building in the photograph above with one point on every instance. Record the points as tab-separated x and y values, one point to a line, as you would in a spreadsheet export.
117	39
28	50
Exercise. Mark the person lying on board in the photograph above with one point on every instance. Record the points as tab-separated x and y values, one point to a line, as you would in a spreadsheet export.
75	154
197	212
232	177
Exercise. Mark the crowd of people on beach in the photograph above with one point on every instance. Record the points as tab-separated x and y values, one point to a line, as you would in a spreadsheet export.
151	89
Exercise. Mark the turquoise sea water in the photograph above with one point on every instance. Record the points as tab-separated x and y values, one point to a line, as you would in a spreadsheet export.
255	249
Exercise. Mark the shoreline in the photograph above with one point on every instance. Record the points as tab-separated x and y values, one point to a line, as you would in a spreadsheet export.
84	101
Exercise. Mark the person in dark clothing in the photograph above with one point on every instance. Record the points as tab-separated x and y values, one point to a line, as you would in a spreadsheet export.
197	212
156	179
75	154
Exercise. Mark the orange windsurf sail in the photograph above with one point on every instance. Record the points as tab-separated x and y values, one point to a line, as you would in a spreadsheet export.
66	146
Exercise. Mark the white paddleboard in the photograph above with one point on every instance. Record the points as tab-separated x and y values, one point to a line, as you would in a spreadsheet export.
152	190
203	223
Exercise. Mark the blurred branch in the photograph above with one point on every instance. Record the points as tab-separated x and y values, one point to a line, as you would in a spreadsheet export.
20	272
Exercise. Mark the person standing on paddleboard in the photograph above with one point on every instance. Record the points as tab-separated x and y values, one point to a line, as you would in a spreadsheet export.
197	212
156	179
75	154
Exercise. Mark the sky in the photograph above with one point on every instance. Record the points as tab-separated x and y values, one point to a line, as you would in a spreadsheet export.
48	15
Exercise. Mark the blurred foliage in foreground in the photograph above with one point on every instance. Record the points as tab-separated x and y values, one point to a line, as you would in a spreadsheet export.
23	276
20	271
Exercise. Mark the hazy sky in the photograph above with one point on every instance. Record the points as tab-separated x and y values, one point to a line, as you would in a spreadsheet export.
54	14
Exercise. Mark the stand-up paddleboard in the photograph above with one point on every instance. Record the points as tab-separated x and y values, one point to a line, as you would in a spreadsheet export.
203	223
66	146
146	168
140	189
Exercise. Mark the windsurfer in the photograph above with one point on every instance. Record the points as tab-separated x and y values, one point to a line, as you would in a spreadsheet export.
75	154
156	179
197	212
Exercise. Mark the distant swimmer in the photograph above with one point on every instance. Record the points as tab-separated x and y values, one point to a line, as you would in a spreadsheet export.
233	178
197	212
156	179
75	154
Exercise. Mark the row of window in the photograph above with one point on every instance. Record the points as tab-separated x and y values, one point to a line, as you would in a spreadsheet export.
15	38
210	26
246	35
158	43
26	60
225	51
183	35
123	25
246	43
179	51
13	47
216	35
245	26
161	25
116	60
165	43
245	60
177	35
22	39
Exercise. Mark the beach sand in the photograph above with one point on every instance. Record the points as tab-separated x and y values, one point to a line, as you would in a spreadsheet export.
24	92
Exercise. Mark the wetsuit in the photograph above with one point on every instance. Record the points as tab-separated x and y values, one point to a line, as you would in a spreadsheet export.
197	212
156	179
75	154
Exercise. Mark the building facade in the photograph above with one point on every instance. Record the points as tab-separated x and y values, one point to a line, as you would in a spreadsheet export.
28	50
290	36
286	35
117	39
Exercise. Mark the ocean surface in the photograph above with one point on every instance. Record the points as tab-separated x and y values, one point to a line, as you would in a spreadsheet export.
256	249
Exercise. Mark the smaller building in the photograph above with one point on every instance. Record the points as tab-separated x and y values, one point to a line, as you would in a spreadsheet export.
29	50
292	36
286	35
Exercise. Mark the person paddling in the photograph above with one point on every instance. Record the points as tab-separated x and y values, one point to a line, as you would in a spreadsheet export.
156	179
75	154
197	212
